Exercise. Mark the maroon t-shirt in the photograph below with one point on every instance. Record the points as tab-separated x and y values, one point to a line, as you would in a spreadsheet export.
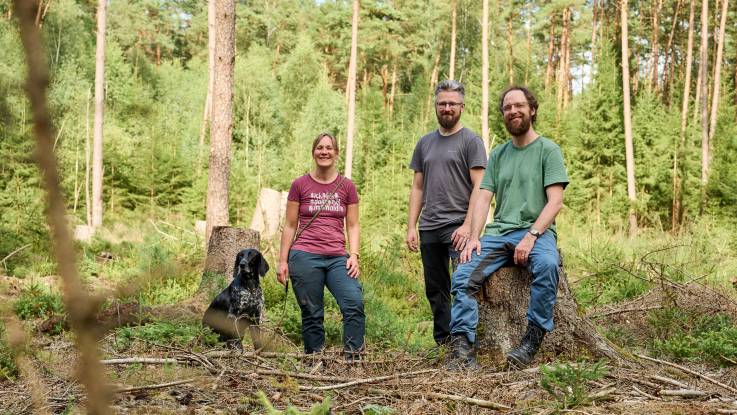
325	235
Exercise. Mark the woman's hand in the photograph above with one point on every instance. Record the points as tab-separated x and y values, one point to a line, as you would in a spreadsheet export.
282	274
352	266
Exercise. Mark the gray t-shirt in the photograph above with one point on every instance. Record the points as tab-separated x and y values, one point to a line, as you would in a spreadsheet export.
445	162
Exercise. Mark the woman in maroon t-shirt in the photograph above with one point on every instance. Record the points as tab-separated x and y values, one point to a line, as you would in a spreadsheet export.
319	203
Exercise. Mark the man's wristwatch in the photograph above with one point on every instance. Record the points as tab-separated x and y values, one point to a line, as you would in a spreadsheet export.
534	232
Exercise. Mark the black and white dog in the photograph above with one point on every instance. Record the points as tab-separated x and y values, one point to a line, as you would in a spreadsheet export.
241	304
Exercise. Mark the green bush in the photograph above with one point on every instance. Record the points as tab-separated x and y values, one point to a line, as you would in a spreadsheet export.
36	302
685	336
8	369
567	382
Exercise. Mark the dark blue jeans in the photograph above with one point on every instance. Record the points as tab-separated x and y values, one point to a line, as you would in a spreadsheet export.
498	251
438	258
310	274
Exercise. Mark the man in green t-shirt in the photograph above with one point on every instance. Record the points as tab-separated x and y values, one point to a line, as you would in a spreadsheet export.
528	176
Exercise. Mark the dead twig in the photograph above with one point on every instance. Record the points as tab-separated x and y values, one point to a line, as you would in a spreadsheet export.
156	386
687	370
298	375
146	360
457	398
7	257
367	380
645	394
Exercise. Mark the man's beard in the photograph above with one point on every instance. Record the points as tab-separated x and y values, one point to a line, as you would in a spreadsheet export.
519	130
447	121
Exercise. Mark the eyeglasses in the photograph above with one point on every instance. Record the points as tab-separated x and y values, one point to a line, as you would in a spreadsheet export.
451	105
517	106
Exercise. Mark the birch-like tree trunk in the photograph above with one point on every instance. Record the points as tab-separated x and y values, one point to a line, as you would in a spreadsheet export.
222	117
452	64
703	105
677	212
717	78
352	90
207	112
99	115
628	145
485	73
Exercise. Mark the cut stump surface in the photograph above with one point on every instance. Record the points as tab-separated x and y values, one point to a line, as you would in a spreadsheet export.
503	303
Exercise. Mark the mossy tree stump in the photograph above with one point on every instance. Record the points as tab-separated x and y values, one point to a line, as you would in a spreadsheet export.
224	244
503	302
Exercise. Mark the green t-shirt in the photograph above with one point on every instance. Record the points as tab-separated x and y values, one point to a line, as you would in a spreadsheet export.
518	177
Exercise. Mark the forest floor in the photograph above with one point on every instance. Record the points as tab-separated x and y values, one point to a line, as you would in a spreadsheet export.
148	377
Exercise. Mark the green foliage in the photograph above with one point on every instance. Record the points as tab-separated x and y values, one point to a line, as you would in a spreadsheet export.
322	408
374	409
8	369
685	336
167	333
36	302
567	382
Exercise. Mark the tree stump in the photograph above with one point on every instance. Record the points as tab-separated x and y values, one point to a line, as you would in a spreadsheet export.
503	302
270	210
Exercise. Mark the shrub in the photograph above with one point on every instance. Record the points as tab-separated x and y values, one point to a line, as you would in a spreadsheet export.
35	302
567	382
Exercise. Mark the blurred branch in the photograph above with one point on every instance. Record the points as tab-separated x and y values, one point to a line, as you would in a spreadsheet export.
77	302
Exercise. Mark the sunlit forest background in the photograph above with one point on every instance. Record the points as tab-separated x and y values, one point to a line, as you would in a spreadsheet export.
290	84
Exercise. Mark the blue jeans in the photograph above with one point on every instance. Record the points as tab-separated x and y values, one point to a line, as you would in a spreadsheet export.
496	252
310	274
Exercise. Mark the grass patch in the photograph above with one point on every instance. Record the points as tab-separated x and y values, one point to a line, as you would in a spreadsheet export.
8	369
185	335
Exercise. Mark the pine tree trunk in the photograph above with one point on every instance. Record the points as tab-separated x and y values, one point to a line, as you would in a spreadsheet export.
452	64
667	66
562	64
433	82
222	117
678	172
510	45
393	89
703	105
655	56
717	76
503	303
551	51
485	73
593	36
352	90
207	112
99	116
628	145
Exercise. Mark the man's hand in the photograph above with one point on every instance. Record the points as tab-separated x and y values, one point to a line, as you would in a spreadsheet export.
473	244
460	237
412	239
282	274
352	265
523	249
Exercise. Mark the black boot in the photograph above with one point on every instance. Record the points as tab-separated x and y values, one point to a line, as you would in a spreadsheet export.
461	354
522	355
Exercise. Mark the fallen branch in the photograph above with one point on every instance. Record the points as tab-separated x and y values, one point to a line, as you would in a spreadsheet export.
625	310
457	398
367	380
298	375
683	393
603	394
146	360
7	257
687	370
149	387
669	381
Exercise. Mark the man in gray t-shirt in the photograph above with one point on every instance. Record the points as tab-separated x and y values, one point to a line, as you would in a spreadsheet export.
449	165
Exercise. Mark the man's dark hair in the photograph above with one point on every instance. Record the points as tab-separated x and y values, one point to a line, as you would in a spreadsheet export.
529	96
450	85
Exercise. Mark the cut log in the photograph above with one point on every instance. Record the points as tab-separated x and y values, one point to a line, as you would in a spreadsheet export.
269	214
503	303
